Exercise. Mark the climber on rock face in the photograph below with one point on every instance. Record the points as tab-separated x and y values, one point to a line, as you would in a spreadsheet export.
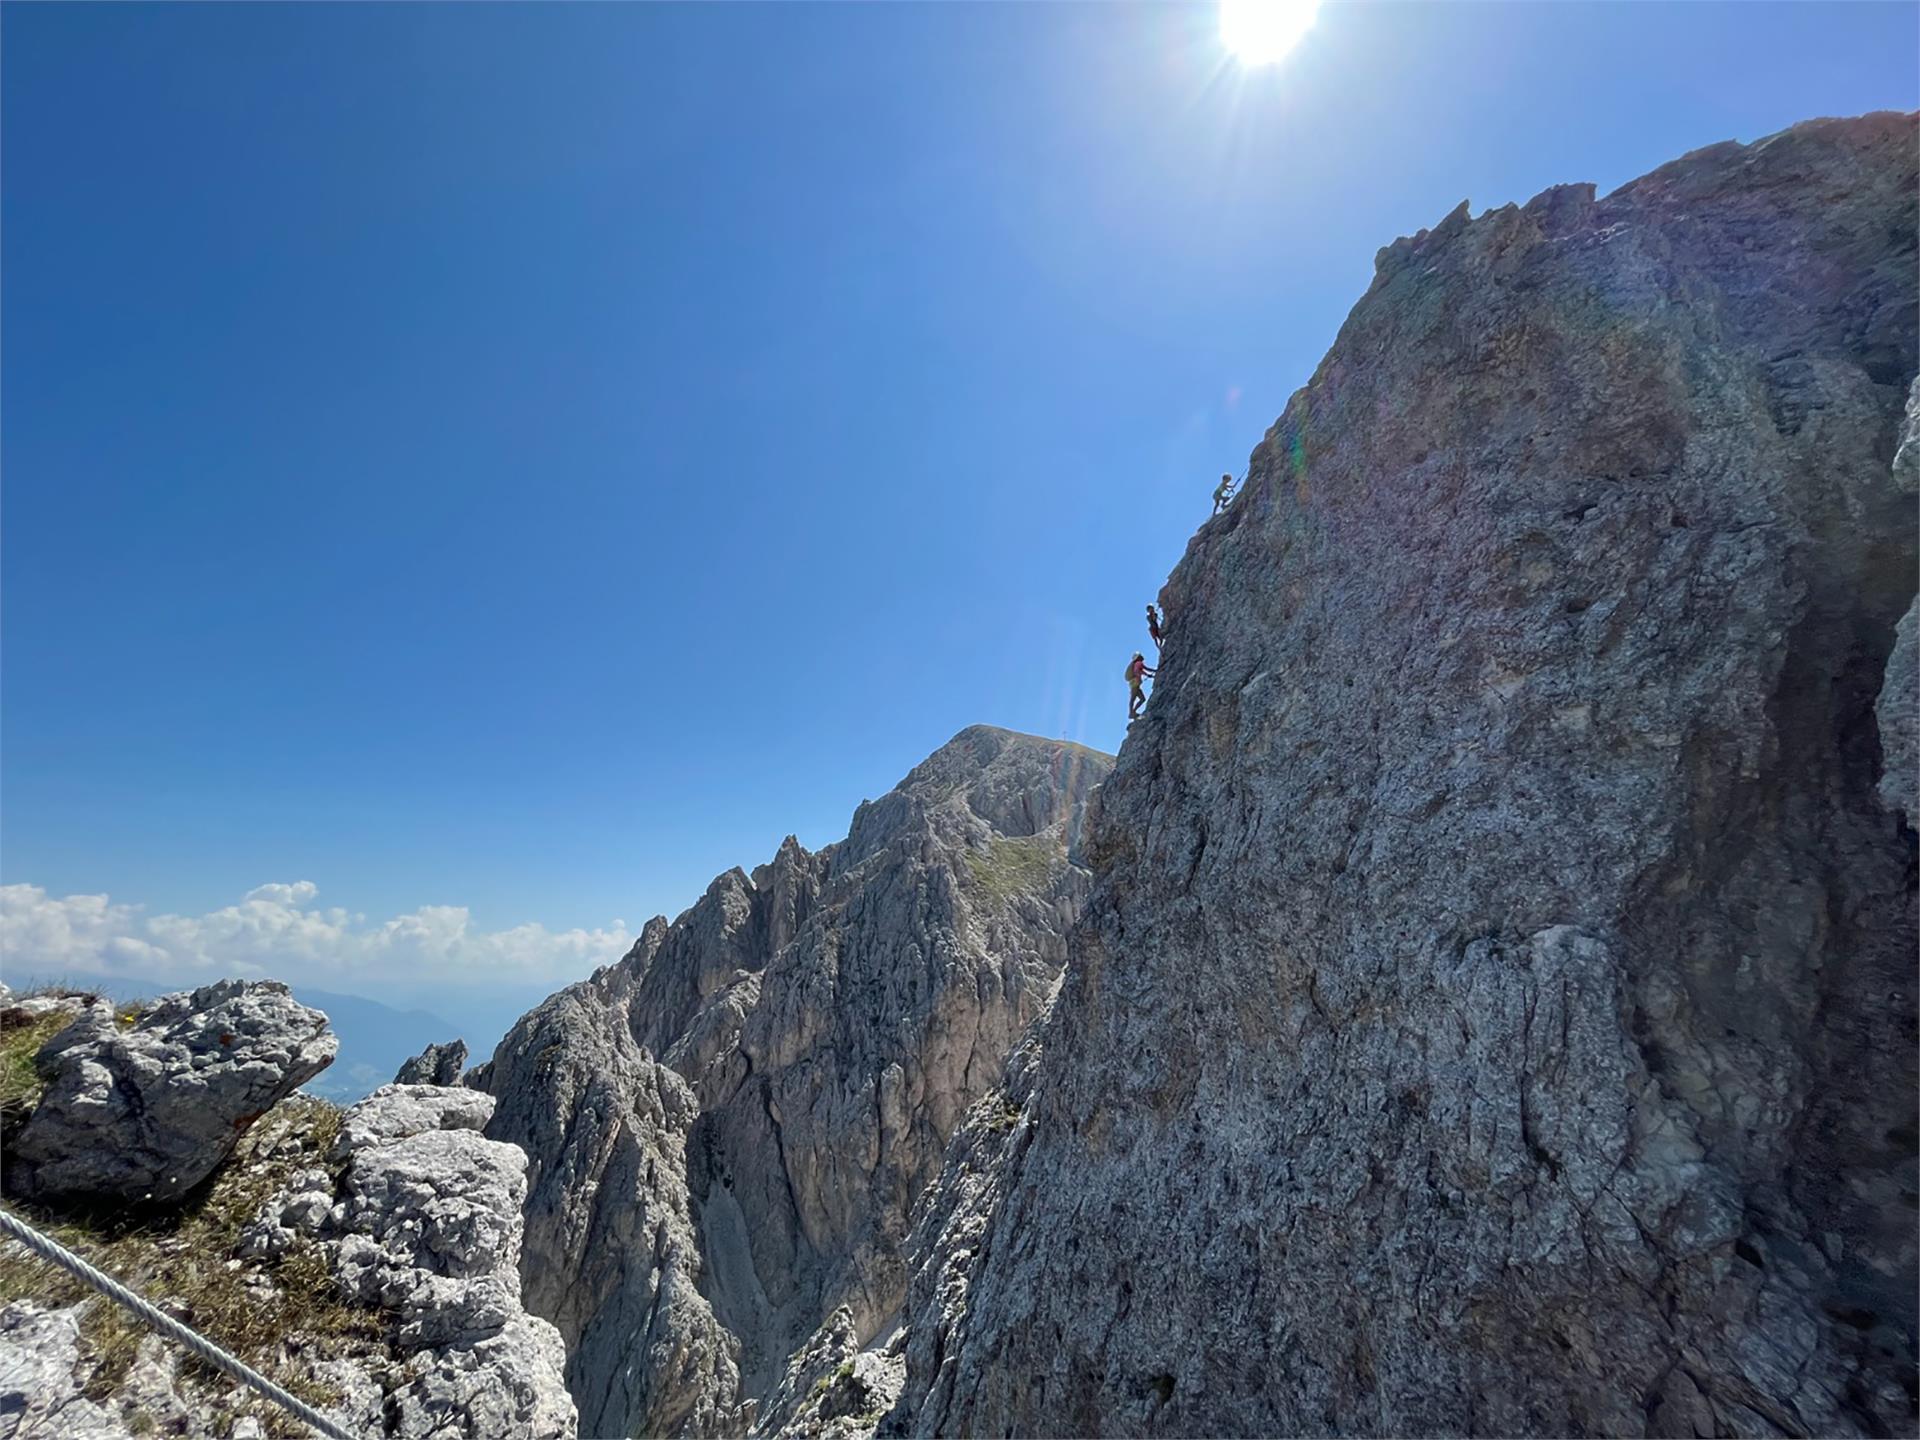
1222	493
1137	670
1153	626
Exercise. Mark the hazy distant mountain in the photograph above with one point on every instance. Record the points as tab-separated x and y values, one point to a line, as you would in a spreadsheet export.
374	1040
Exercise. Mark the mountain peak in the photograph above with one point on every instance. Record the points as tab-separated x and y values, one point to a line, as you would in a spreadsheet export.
794	1052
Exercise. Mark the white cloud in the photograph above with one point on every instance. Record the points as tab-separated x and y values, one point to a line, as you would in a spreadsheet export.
297	893
276	930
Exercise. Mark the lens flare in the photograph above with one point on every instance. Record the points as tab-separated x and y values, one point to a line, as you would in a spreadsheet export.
1261	32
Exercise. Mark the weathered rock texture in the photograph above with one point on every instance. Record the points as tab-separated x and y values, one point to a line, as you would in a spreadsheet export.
1495	1011
1898	714
40	1396
148	1110
424	1223
1898	710
46	1373
728	1129
834	1388
435	1065
611	1255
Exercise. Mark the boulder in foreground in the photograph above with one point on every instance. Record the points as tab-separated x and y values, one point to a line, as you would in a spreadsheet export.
147	1108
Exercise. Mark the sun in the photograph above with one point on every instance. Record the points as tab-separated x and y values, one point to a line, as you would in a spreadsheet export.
1261	32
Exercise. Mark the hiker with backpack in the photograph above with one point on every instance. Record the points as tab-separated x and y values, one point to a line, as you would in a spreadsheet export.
1137	670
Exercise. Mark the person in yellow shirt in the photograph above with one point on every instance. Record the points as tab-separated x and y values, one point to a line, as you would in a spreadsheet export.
1137	670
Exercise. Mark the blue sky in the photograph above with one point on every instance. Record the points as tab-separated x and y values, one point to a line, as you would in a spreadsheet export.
496	467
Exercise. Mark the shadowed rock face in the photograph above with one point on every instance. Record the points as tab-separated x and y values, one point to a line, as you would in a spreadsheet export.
1495	1010
727	1130
435	1065
610	1253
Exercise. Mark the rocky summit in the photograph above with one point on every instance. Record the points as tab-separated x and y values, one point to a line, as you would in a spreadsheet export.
728	1129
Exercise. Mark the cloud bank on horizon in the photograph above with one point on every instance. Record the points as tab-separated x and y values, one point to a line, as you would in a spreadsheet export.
277	932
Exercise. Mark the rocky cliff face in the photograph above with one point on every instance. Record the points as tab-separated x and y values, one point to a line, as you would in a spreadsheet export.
1495	1011
728	1129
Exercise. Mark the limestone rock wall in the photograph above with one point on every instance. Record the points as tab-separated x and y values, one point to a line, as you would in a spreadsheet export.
728	1129
424	1223
611	1255
1495	1011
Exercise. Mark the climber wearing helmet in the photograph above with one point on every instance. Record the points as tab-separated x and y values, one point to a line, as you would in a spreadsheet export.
1137	669
1153	625
1222	493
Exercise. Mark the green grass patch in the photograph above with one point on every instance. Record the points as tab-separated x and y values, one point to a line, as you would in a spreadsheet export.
1003	1116
1014	865
20	1085
830	1379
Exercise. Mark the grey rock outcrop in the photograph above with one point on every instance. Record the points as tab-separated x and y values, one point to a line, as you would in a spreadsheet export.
1898	714
149	1110
1898	709
46	1371
728	1129
425	1224
40	1398
404	1111
435	1065
1906	459
1495	1010
834	1388
611	1253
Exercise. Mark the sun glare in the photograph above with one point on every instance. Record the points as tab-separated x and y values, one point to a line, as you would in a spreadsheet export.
1261	32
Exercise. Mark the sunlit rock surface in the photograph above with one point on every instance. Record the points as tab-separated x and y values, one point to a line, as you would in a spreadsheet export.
728	1129
144	1107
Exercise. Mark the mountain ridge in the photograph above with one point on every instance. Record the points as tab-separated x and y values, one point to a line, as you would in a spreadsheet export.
790	1054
